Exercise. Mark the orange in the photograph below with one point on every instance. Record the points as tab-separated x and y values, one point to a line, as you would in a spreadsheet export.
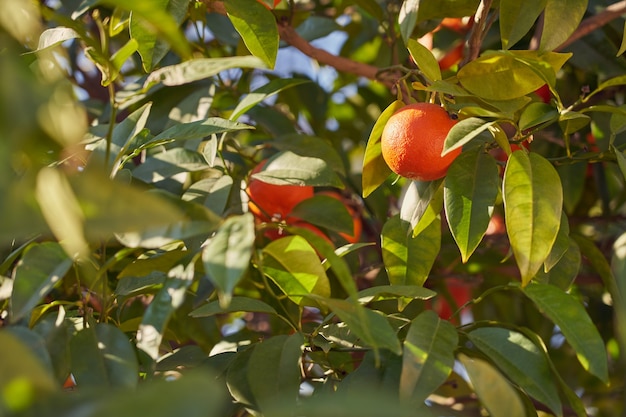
357	225
452	57
412	142
271	201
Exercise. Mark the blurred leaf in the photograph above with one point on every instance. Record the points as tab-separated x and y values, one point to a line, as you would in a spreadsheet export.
375	169
263	93
227	254
295	267
408	18
611	82
168	163
236	304
517	18
199	69
520	360
257	27
618	291
324	211
561	18
55	36
162	306
102	356
56	335
408	260
213	193
533	200
42	266
471	189
425	60
146	284
570	315
494	390
288	168
463	132
387	292
152	49
428	356
274	371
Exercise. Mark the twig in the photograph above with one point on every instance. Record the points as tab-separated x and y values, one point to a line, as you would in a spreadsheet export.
478	31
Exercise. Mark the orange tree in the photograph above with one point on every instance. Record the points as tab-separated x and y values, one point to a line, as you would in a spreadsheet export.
135	279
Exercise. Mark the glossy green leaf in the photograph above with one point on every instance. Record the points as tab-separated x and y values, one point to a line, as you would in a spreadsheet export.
274	371
312	146
294	266
408	260
325	211
424	59
236	304
536	114
288	168
561	18
463	132
422	203
196	130
375	169
227	254
471	189
495	392
517	18
571	122
42	266
153	49
521	361
102	356
263	93
162	306
533	200
199	69
118	59
257	27
570	315
428	356
371	327
388	292
564	272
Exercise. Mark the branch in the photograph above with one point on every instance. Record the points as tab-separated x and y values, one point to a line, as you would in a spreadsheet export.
289	35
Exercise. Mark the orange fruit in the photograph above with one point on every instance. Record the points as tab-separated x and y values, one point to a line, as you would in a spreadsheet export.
452	57
357	225
271	201
412	142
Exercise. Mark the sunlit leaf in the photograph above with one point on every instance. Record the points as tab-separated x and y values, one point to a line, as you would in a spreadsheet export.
463	132
428	356
570	315
262	93
289	168
471	189
533	200
424	59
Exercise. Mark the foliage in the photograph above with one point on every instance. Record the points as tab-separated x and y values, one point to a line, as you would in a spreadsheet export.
134	275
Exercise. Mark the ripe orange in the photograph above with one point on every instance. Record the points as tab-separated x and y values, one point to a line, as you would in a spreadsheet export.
271	201
412	142
452	57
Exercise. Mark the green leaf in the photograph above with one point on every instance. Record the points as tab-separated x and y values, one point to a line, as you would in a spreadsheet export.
570	315
288	168
227	254
463	132
533	200
257	27
561	244
494	390
573	181
55	36
213	193
312	146
102	356
196	130
425	60
162	306
471	190
428	356
56	336
371	327
274	371
618	289
572	121
375	169
325	211
236	304
521	361
199	69
561	19
611	82
388	292
169	163
408	18
565	271
536	114
263	93
153	49
408	260
42	266
622	47
422	203
517	18
294	266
